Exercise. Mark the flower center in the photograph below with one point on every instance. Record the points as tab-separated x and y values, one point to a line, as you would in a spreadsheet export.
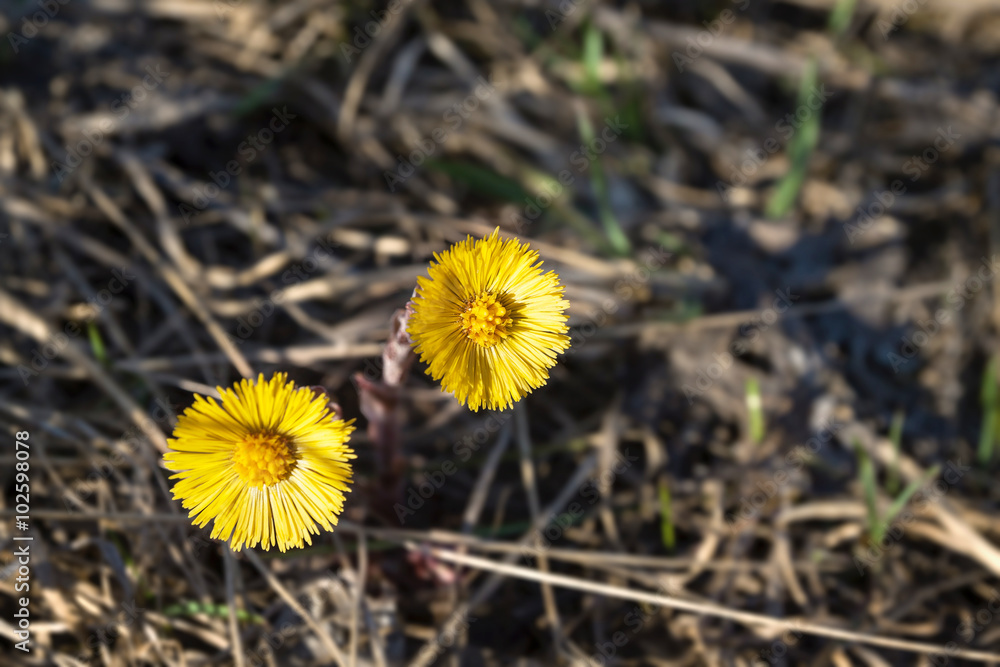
485	321
264	459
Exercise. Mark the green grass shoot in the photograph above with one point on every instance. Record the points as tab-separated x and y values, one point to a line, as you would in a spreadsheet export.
878	523
481	180
802	144
592	56
866	476
215	610
988	399
616	237
258	96
841	16
97	343
896	438
666	517
900	502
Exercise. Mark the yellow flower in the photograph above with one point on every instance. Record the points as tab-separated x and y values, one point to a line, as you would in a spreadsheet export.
269	463
488	322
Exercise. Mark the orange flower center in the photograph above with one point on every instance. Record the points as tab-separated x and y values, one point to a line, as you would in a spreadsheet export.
485	321
264	459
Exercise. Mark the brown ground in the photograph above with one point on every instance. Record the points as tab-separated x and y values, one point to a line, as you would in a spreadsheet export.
155	241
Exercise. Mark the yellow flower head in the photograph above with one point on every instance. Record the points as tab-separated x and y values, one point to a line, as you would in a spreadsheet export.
269	463
488	322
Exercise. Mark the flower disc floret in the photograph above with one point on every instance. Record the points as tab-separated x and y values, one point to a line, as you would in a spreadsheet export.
264	459
485	321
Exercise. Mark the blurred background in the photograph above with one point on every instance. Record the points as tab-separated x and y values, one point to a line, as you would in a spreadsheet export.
777	223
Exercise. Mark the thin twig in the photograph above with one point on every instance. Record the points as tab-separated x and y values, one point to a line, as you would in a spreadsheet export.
707	609
531	488
236	646
324	637
426	655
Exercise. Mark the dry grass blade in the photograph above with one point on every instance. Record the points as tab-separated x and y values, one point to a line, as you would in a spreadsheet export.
236	645
172	278
427	654
324	637
707	609
530	487
787	198
18	317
